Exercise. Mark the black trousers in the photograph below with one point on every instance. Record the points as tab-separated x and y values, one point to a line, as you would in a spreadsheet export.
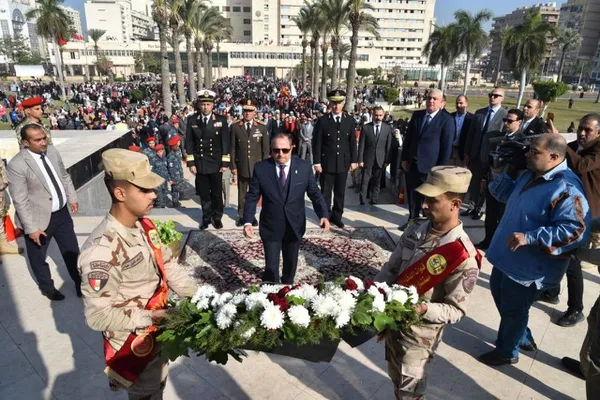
574	287
243	185
475	196
210	189
414	179
62	230
289	246
371	182
494	211
336	183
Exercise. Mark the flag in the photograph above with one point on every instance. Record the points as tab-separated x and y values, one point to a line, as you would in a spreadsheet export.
293	87
284	91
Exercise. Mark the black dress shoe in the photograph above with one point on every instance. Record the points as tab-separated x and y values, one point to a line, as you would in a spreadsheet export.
373	202
494	359
570	318
217	223
204	225
483	245
254	222
573	366
339	224
55	295
528	347
477	214
239	222
546	298
466	213
362	203
404	226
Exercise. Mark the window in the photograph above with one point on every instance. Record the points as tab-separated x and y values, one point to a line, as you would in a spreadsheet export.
247	9
246	21
247	33
236	9
226	8
72	55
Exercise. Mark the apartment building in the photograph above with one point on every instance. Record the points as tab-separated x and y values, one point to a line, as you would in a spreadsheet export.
75	18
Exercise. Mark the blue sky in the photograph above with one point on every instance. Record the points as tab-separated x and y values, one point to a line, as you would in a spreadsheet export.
444	9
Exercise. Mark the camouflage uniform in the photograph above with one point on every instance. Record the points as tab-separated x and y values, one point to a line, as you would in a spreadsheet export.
161	168
175	170
150	153
27	122
119	276
409	354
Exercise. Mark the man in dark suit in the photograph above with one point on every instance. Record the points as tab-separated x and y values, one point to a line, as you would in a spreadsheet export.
427	143
41	188
373	154
335	153
462	125
207	147
486	120
532	124
282	181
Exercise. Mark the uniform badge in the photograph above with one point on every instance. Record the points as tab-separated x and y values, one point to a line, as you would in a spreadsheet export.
142	345
97	280
436	264
154	238
218	125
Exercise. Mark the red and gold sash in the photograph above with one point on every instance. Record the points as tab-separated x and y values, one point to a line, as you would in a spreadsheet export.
125	365
435	266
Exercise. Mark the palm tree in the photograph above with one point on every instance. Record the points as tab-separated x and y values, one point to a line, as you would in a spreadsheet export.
343	54
224	32
302	21
335	12
359	19
209	25
526	45
315	35
500	34
161	15
176	30
441	49
471	38
188	12
567	39
52	23
95	35
204	21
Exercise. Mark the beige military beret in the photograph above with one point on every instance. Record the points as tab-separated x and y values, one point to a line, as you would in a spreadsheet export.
126	165
445	178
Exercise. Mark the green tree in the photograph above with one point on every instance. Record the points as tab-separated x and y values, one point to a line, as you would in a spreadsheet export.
149	62
95	35
567	39
188	13
175	33
526	45
224	32
324	27
335	13
302	21
16	50
343	54
161	13
360	19
500	34
52	23
313	15
390	95
471	38
548	92
441	49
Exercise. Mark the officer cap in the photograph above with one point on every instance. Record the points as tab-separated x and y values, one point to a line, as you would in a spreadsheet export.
32	102
336	95
206	95
445	178
159	147
125	165
248	105
174	140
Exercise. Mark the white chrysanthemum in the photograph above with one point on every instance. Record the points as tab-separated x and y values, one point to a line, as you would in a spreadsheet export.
204	291
299	316
248	334
225	315
359	283
306	292
342	319
346	300
414	295
384	286
203	303
399	295
270	288
325	306
373	291
379	303
238	298
220	299
256	300
272	317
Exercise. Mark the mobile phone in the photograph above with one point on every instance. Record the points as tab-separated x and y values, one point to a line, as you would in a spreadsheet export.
551	116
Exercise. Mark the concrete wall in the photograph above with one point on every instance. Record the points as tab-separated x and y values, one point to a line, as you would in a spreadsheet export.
94	199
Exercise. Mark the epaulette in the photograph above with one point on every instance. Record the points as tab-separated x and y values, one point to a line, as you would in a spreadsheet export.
107	238
260	122
235	121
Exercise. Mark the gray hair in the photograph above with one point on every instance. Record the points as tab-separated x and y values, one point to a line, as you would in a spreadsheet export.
438	91
592	117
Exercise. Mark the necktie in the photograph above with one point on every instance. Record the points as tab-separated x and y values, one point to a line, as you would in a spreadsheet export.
525	125
248	128
376	130
426	123
61	200
487	120
282	177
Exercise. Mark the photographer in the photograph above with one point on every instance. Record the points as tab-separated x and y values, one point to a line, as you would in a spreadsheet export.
546	216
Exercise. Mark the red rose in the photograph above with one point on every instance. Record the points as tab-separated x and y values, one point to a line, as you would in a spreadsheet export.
368	284
283	304
272	297
382	291
350	285
284	291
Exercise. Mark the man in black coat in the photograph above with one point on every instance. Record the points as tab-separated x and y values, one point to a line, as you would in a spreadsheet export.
462	124
532	124
373	155
335	153
207	147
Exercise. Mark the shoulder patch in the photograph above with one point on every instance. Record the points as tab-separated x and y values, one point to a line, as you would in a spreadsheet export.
470	279
97	280
133	262
101	265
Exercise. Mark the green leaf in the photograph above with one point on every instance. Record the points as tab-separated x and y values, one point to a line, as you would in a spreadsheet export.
295	301
288	332
361	318
382	321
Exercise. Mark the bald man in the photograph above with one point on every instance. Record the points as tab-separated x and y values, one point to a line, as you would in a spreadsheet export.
532	124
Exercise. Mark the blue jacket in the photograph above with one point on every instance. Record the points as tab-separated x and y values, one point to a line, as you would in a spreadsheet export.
553	214
280	214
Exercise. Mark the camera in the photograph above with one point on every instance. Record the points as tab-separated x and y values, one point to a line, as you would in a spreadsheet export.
510	153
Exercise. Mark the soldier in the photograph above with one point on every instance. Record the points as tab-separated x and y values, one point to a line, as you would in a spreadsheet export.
207	148
5	246
32	108
175	170
149	151
160	167
335	153
448	278
127	275
249	145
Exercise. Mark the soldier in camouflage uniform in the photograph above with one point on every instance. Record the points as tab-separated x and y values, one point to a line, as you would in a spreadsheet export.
150	150
409	352
175	170
5	246
33	114
161	168
121	271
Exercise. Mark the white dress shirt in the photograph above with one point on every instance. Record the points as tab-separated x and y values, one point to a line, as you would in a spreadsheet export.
286	169
55	200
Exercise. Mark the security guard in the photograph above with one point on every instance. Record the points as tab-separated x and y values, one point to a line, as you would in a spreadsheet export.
126	276
335	153
249	145
5	246
409	353
207	148
33	110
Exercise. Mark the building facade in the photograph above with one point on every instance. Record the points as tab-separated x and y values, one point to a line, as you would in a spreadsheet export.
123	20
75	18
13	23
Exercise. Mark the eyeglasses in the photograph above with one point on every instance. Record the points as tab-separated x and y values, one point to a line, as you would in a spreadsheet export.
284	151
510	121
494	95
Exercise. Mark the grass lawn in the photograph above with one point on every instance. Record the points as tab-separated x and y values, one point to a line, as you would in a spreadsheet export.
562	115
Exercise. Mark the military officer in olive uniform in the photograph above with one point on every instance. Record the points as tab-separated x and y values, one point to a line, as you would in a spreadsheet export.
207	148
335	153
249	145
125	281
33	110
409	353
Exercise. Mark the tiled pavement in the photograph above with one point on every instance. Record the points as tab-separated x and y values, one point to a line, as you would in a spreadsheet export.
47	351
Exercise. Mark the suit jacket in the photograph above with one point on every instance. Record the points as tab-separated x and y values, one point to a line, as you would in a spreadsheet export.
30	192
475	137
430	146
283	212
586	164
535	127
375	150
335	149
464	133
207	147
